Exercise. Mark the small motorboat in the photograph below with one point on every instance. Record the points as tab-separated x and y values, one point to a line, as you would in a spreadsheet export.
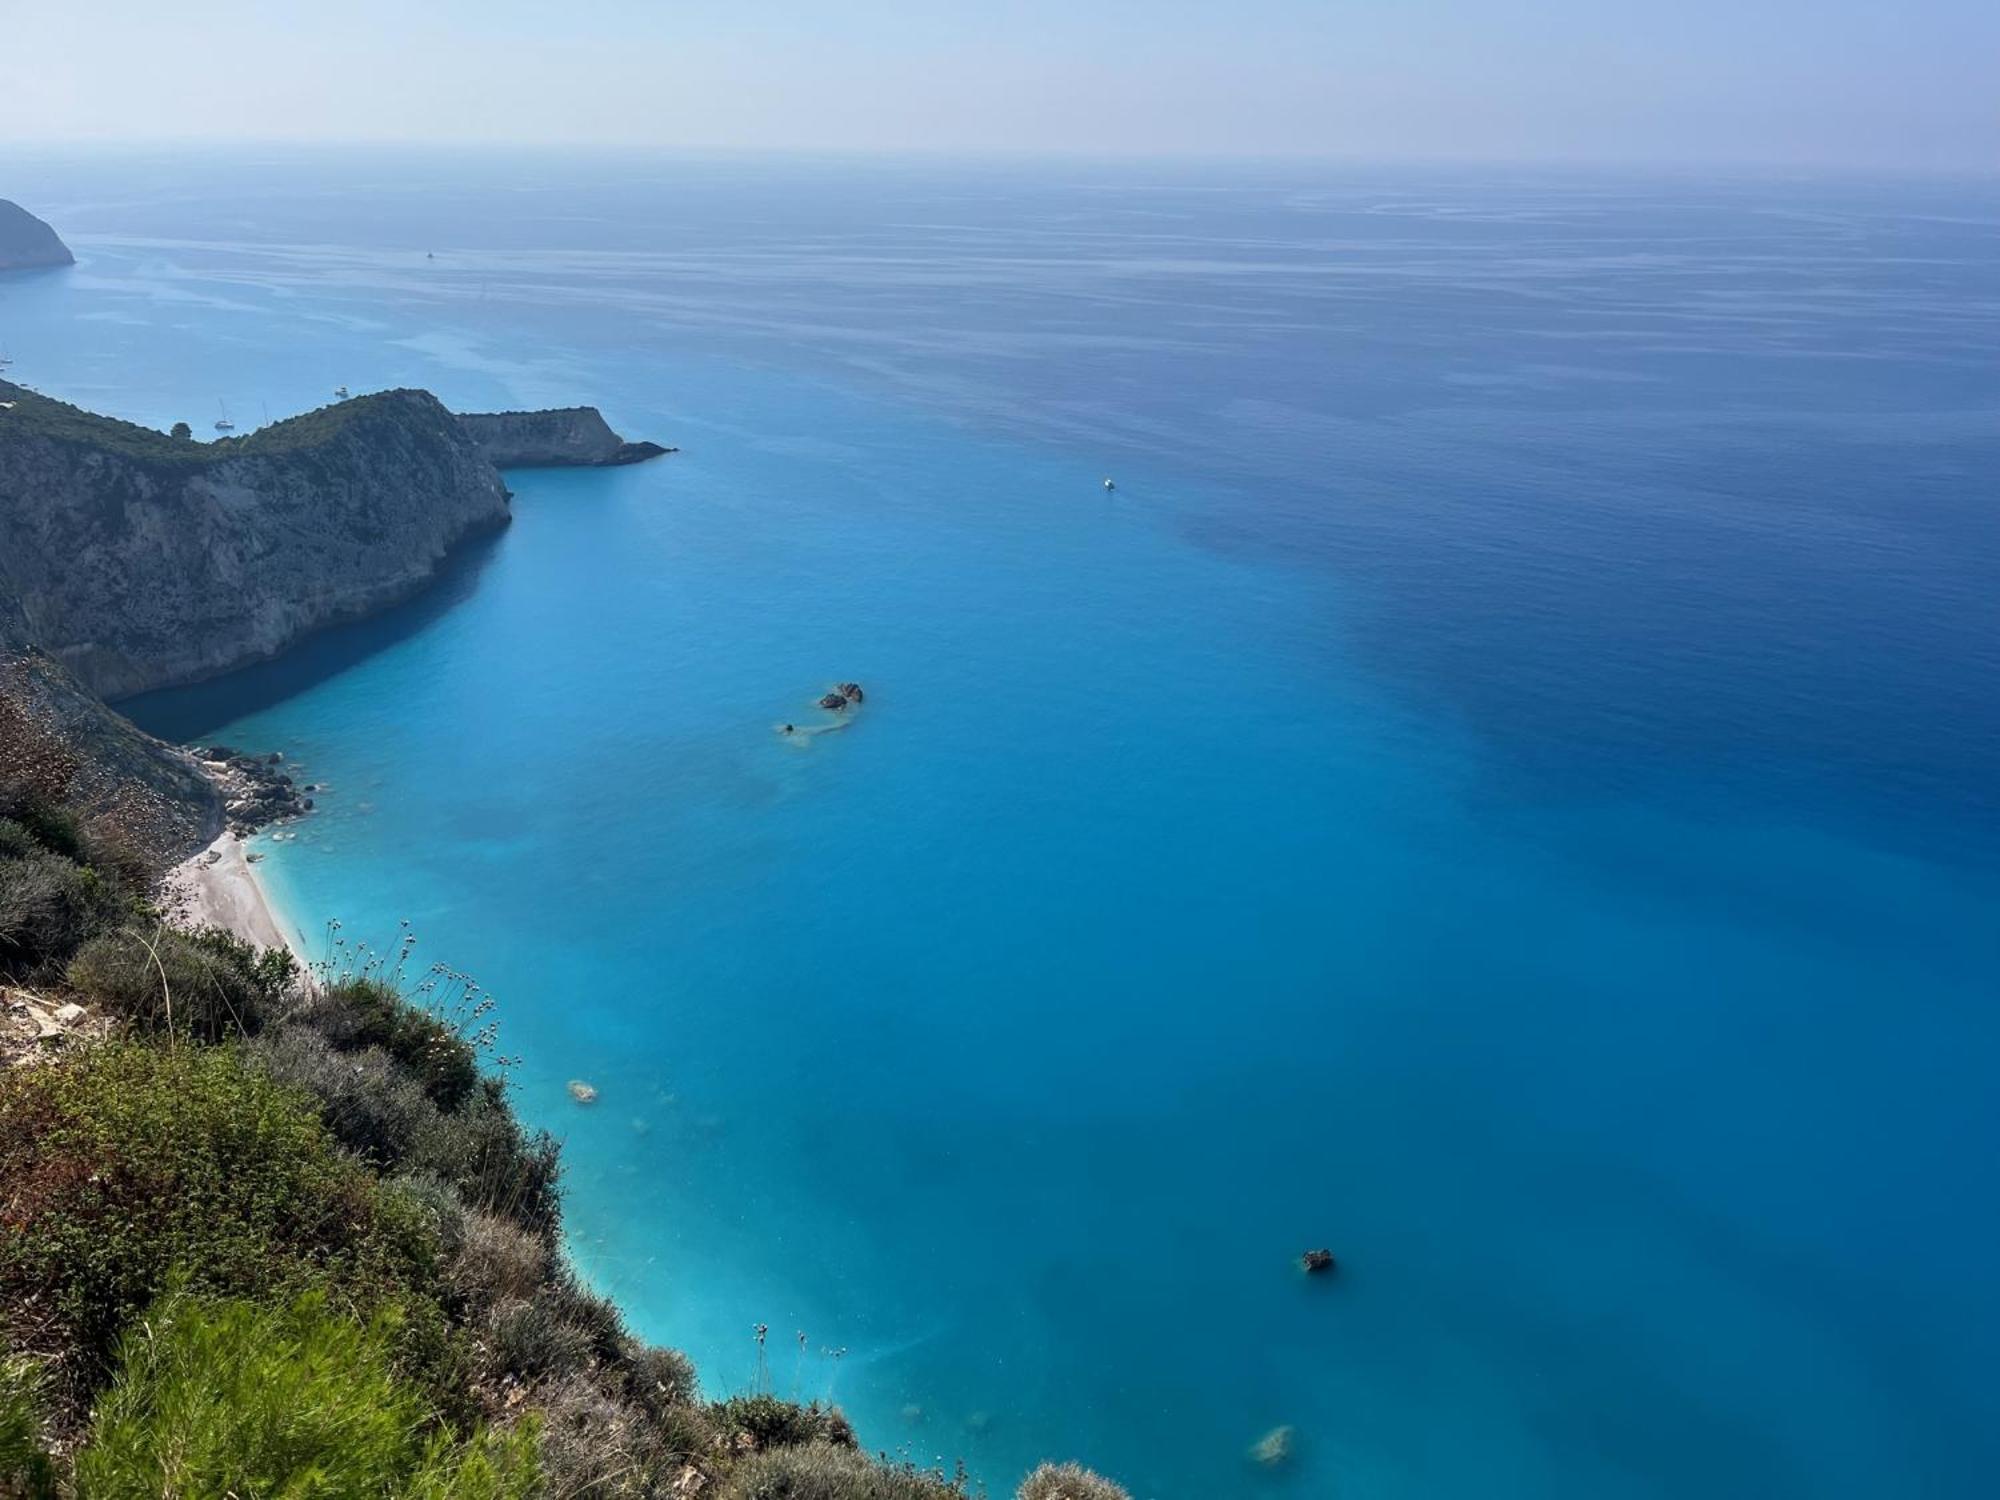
1109	485
340	393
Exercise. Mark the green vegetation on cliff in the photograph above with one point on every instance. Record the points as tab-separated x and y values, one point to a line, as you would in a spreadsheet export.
282	1235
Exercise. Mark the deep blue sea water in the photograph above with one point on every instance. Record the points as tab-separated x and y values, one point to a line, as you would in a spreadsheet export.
1507	787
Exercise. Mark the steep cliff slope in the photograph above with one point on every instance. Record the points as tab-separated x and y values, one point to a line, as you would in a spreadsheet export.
138	560
568	437
25	241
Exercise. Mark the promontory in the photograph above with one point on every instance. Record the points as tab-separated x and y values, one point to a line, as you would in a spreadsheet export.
26	242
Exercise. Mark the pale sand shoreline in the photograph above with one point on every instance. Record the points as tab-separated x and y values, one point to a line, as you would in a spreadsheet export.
219	888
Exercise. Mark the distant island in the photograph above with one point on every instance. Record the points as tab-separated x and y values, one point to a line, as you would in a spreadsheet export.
26	243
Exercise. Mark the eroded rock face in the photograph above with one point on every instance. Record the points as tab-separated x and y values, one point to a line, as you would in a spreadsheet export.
566	437
26	242
138	561
58	739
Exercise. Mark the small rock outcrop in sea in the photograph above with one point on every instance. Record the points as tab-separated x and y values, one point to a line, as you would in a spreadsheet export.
567	437
26	243
1318	1262
841	696
833	701
1273	1448
851	691
255	793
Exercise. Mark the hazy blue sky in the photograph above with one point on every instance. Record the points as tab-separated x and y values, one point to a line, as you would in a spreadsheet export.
1869	82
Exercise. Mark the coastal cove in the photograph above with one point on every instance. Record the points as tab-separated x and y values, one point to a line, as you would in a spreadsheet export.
1190	892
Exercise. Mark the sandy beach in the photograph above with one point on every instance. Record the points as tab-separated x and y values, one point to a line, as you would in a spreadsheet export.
219	888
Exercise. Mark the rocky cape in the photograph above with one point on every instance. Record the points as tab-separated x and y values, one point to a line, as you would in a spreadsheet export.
140	561
131	560
568	437
26	242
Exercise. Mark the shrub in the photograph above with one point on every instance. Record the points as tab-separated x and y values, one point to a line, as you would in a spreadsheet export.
495	1261
16	842
356	1013
530	1339
1068	1482
234	1398
660	1380
371	1105
130	1164
204	984
823	1471
25	1469
51	825
49	907
767	1422
481	1150
594	1445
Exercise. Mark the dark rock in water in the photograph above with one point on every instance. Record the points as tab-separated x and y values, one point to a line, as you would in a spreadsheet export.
27	243
567	437
851	691
1318	1261
833	701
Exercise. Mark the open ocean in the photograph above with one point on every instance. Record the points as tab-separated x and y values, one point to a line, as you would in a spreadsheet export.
1507	787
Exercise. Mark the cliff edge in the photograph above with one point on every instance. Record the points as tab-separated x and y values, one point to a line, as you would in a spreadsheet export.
137	560
567	437
26	242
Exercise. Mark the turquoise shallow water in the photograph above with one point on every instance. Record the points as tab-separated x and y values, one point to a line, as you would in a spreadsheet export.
1505	786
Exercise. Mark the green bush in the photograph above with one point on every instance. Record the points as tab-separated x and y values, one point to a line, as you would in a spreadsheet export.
206	984
372	1106
25	1469
593	1445
236	1398
49	907
353	1014
44	819
481	1150
660	1380
824	1471
1068	1482
767	1422
130	1164
529	1340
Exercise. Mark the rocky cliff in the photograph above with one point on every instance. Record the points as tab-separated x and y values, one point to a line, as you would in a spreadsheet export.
138	561
25	241
569	437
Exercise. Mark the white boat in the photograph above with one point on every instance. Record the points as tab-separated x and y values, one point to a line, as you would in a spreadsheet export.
222	423
1109	485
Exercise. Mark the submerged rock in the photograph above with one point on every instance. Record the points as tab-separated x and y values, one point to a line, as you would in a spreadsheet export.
1273	1448
582	1092
1317	1262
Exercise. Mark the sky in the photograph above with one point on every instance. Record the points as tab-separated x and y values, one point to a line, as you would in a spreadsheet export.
1914	84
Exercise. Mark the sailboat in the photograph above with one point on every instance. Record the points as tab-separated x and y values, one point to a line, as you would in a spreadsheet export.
222	423
340	392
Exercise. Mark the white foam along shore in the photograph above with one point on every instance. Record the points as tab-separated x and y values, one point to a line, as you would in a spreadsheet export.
219	888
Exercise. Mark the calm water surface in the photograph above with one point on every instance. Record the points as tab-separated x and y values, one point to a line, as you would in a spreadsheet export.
1507	787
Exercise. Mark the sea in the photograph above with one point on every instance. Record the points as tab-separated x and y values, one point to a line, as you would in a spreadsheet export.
1504	786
